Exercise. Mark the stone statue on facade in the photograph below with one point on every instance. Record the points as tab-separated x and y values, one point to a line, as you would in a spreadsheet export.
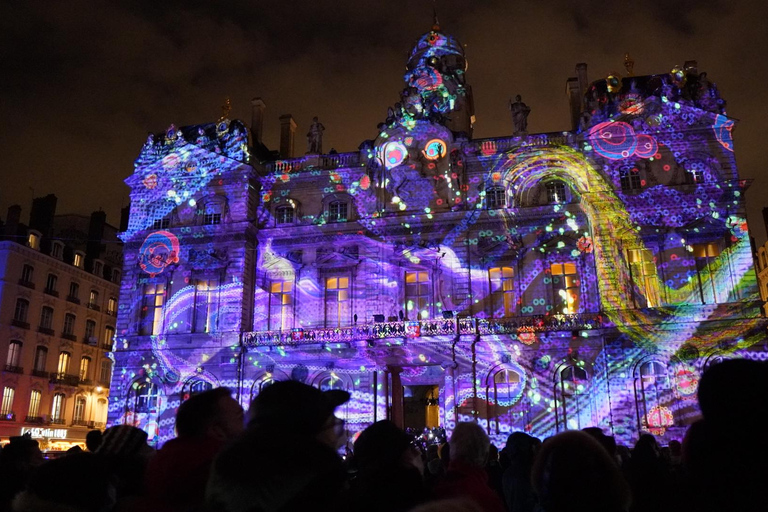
520	113
315	137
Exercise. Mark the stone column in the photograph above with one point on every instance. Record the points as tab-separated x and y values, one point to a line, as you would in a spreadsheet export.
397	415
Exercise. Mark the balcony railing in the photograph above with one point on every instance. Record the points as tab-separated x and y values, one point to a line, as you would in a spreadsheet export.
28	284
34	419
52	293
58	421
521	326
335	161
93	306
68	336
111	312
86	382
107	346
80	423
46	330
65	379
19	323
73	300
11	416
41	373
14	369
91	340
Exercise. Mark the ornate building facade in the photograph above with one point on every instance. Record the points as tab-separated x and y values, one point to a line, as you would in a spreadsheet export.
535	282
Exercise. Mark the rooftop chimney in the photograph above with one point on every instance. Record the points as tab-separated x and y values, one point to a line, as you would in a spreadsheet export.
257	120
12	222
574	100
581	73
42	213
287	135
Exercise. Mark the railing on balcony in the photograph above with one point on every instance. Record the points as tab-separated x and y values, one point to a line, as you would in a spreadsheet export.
107	346
111	312
34	419
46	330
14	369
333	161
68	336
11	416
52	293
516	326
93	306
19	323
80	423
28	284
86	382
41	373
73	300
91	340
65	379
58	421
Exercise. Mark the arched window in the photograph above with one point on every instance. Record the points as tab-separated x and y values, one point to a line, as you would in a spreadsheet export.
284	215
6	408
14	355
653	396
146	397
495	198
337	301
555	192
506	387
261	384
195	386
329	381
573	404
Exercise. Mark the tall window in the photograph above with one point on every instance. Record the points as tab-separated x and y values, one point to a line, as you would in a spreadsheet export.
417	294
555	192
33	241
652	395
330	382
337	211
707	268
85	365
90	331
105	373
93	298
109	335
630	179
46	318
506	384
502	291
14	353
496	197
57	408
281	305
98	269
206	305
6	408
152	310
63	367
337	304
565	288
284	215
57	250
27	273
34	404
78	416
642	271
79	260
69	324
115	276
51	282
112	306
574	409
41	357
147	397
22	308
74	290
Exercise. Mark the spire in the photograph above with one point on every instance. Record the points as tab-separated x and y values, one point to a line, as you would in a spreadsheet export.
435	22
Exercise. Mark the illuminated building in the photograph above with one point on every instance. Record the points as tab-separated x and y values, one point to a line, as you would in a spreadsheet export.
536	282
58	313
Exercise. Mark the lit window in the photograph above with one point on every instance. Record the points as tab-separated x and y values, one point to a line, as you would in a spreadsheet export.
85	365
502	291
707	267
109	336
14	354
69	324
34	404
330	382
284	215
22	308
152	309
33	241
642	271
418	292
112	306
57	408
630	178
337	211
79	260
63	366
496	197
6	409
555	192
93	300
565	288
46	318
281	305
337	304
206	305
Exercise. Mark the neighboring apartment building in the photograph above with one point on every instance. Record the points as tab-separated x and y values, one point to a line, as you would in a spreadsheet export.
59	286
535	282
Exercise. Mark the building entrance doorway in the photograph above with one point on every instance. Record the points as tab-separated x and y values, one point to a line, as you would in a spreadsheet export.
421	406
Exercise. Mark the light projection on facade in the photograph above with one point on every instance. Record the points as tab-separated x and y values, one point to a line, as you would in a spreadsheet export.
537	283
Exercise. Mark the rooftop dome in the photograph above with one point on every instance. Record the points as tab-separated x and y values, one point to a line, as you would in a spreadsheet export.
434	44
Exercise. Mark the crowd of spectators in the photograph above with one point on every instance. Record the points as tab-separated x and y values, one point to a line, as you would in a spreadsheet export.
285	456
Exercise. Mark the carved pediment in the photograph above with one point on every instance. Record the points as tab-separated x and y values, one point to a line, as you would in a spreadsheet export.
209	259
337	256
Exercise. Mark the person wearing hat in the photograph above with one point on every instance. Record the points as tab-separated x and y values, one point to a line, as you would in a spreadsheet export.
287	458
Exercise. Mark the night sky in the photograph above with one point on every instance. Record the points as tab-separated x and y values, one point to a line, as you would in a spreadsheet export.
82	82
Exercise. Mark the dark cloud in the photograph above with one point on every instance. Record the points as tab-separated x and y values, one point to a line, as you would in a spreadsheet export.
83	81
